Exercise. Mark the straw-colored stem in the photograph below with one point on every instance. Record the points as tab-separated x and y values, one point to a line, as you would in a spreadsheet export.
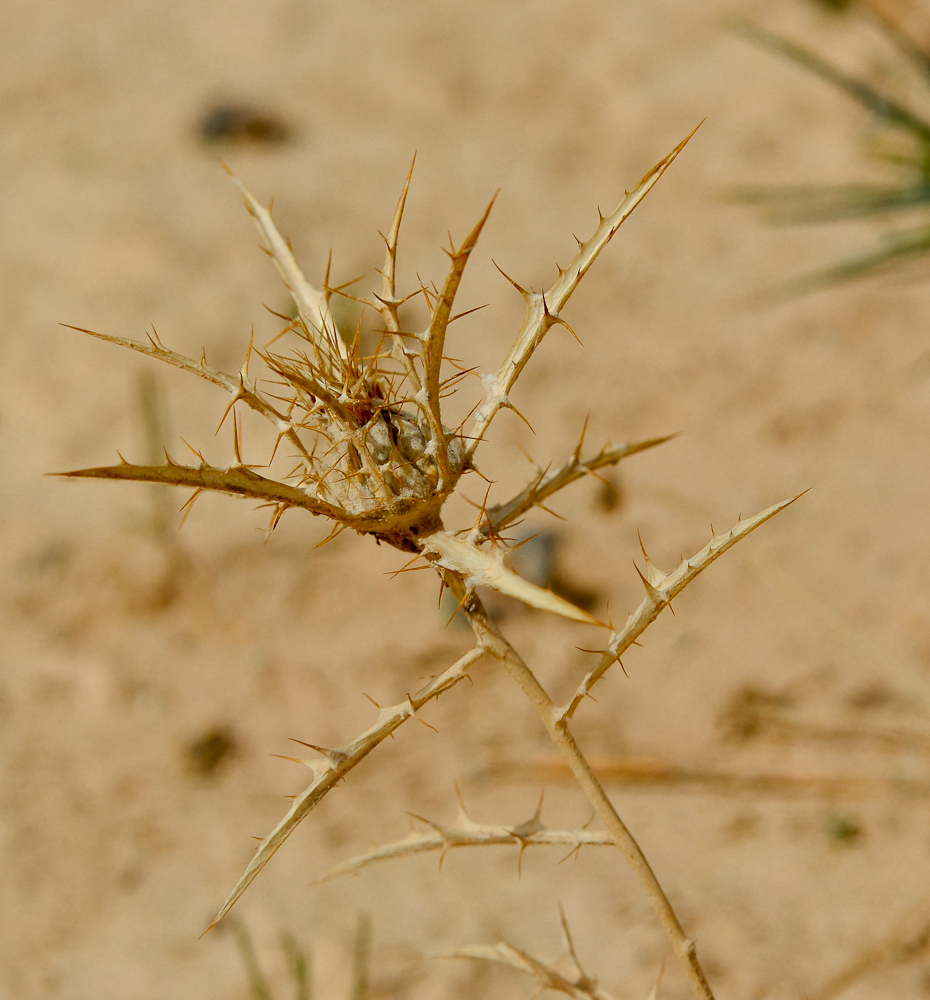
556	724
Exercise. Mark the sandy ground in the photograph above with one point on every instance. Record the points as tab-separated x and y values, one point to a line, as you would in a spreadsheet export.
130	652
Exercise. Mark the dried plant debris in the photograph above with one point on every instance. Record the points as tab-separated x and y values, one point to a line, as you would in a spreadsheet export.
208	753
752	713
610	495
835	5
371	449
697	777
242	124
901	147
842	829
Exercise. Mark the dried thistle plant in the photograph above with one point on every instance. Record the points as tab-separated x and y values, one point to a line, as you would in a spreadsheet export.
374	454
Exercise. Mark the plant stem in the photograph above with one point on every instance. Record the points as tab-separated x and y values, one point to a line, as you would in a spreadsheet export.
556	723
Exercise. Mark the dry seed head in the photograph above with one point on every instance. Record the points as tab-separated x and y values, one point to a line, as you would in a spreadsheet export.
373	459
373	453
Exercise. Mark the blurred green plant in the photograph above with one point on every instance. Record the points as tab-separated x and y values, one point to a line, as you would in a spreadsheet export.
899	141
298	965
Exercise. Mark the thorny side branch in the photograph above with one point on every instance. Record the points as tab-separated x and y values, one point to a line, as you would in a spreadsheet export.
335	763
465	832
546	483
547	977
542	309
238	386
661	589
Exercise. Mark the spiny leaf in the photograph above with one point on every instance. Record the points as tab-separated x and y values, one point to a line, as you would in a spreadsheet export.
542	310
545	484
483	567
237	385
434	339
310	302
237	480
661	589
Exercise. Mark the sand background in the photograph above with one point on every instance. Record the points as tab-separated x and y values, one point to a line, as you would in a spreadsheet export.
124	643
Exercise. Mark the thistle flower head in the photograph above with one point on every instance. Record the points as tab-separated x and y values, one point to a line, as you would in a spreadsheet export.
372	451
378	453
